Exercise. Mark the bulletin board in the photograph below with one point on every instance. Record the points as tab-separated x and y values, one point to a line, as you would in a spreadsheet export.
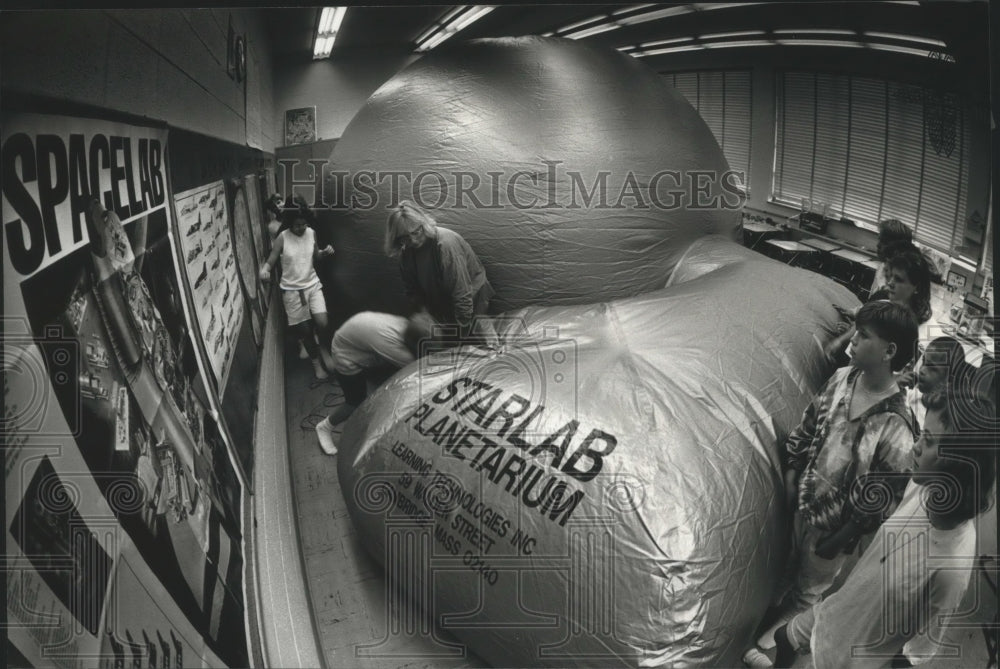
114	455
200	166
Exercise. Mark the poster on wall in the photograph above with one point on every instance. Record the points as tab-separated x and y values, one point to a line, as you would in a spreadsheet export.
106	426
300	126
209	263
269	184
241	227
258	221
252	185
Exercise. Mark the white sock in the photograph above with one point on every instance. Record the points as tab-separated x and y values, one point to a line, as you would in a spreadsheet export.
325	433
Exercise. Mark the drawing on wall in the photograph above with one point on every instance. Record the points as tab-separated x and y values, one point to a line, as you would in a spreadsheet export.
300	125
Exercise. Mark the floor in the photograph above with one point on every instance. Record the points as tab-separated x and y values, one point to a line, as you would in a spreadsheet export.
350	600
349	597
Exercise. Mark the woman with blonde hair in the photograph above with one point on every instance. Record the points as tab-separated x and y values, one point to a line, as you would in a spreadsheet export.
441	273
446	288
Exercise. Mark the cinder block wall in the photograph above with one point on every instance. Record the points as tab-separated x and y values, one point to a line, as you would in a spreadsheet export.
167	65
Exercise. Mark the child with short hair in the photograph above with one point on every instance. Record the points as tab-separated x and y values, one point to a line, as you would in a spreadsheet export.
909	274
855	438
942	366
889	611
301	289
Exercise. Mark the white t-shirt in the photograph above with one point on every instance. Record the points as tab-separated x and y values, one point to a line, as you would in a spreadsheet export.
297	269
907	579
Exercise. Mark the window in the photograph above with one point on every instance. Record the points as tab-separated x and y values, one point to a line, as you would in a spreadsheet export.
873	149
723	100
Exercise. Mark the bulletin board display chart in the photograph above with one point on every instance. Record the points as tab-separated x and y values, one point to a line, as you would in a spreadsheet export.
246	255
209	263
251	184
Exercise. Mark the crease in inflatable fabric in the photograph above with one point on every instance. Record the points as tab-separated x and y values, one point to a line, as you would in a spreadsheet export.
683	364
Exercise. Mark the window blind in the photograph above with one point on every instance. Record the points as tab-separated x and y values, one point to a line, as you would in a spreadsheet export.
722	98
874	149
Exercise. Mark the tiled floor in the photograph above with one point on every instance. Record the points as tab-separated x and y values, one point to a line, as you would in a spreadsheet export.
347	587
348	590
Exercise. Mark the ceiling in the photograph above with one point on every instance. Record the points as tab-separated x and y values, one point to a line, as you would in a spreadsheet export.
962	25
397	27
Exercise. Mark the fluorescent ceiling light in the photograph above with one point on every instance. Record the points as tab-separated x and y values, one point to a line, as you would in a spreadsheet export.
664	42
326	33
906	38
454	21
744	33
737	43
669	49
471	17
633	8
709	6
913	52
814	31
650	16
338	18
821	42
637	14
581	24
875	46
591	31
326	20
435	40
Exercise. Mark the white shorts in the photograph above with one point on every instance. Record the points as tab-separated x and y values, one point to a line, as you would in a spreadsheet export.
301	304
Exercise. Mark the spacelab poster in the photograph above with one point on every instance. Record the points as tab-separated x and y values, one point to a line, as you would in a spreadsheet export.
111	447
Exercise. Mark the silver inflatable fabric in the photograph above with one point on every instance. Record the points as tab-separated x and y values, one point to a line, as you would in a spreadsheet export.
569	168
604	490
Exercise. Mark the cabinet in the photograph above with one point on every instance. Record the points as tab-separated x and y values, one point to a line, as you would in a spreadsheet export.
854	270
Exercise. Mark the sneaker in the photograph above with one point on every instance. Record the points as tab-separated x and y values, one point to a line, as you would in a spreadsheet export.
766	640
756	659
325	433
319	371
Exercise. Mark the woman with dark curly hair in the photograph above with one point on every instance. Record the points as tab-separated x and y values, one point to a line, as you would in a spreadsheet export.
908	281
909	284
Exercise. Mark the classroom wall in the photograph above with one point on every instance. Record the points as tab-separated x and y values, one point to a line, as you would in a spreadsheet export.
166	64
337	86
